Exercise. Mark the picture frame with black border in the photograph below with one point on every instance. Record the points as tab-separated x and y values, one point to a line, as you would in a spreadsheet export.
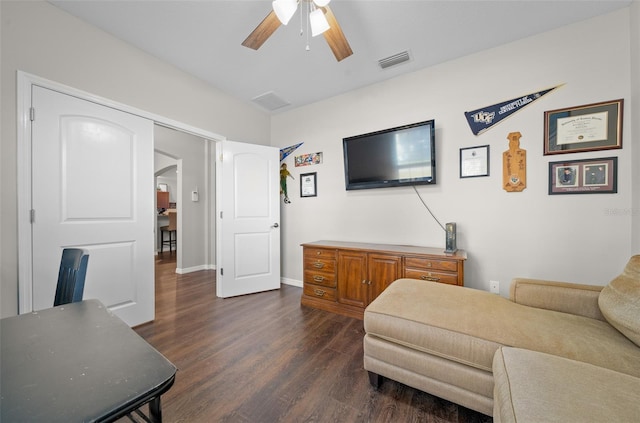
587	176
474	161
308	184
590	127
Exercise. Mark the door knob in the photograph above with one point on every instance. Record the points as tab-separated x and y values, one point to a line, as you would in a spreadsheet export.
275	225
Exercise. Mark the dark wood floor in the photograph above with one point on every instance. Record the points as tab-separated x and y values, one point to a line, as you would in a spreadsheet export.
264	358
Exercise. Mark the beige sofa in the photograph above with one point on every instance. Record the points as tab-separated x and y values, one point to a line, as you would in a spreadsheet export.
534	387
442	339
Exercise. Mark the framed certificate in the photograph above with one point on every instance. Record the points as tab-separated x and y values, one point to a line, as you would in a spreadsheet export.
474	161
591	127
308	185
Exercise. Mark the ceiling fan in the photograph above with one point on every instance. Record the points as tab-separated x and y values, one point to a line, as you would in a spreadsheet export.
321	19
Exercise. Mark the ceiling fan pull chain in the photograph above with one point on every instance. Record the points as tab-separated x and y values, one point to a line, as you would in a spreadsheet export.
301	31
308	11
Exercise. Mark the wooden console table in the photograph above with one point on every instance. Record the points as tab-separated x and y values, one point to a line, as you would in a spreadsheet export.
344	277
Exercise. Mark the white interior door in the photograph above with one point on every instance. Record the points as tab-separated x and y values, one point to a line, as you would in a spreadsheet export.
249	219
92	187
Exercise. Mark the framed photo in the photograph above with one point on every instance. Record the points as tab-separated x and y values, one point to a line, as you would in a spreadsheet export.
590	176
308	187
474	161
591	127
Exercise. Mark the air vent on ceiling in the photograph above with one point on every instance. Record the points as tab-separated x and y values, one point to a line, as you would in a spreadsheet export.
395	59
270	101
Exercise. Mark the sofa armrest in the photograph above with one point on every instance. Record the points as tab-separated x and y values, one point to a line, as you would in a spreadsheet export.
565	297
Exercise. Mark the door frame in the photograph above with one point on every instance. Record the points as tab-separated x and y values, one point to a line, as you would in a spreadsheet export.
25	81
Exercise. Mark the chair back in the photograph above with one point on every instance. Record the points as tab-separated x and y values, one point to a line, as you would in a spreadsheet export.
173	221
73	269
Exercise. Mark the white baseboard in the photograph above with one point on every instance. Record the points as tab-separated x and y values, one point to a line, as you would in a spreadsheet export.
292	282
195	269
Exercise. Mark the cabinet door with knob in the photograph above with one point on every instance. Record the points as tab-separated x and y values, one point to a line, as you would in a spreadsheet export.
363	276
383	269
353	285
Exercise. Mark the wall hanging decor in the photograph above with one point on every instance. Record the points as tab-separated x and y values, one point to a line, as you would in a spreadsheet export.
514	165
474	161
308	185
284	152
590	127
481	120
588	176
284	174
308	159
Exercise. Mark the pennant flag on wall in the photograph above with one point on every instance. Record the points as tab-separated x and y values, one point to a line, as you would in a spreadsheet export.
481	120
284	152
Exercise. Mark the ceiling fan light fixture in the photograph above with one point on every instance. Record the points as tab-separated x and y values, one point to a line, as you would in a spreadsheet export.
321	3
318	22
284	9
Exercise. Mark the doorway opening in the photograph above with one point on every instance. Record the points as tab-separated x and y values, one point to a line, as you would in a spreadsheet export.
184	167
167	186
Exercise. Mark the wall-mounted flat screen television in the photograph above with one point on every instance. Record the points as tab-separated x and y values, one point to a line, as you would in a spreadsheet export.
394	157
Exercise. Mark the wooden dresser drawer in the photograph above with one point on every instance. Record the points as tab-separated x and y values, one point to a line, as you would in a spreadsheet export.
320	278
322	292
428	264
320	264
319	253
425	275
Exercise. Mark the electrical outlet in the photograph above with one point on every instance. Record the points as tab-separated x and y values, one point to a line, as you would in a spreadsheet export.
494	287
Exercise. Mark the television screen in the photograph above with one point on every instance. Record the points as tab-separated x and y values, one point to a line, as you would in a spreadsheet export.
401	156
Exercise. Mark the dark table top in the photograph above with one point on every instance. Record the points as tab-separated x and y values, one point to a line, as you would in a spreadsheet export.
74	363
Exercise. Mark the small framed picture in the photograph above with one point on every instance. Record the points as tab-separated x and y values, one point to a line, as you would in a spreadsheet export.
308	187
590	176
474	161
591	127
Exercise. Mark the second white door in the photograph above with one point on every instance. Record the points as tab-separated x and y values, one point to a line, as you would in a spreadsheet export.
248	257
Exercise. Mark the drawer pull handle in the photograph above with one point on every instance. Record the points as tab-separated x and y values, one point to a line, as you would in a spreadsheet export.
429	278
318	278
319	292
318	265
319	252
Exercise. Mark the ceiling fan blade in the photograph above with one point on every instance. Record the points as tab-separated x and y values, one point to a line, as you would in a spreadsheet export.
335	37
262	32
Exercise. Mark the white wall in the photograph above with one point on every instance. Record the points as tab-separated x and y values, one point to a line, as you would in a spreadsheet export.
43	40
531	234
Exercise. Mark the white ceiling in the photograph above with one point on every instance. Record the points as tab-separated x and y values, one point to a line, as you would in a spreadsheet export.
203	38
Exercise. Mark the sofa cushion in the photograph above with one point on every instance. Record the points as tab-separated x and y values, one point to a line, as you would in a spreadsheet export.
468	326
535	387
620	301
